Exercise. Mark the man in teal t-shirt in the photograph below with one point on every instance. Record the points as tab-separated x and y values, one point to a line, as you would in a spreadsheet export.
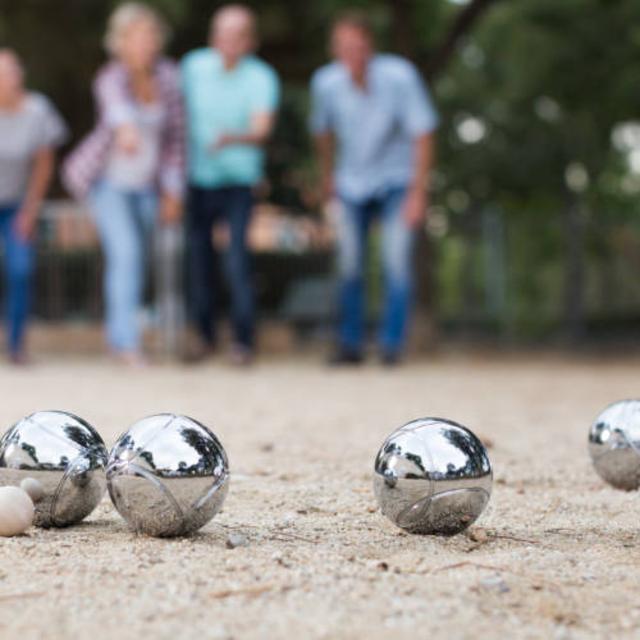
231	98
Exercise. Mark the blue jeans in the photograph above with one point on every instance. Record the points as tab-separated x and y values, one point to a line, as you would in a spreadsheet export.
207	207
397	254
18	269
125	222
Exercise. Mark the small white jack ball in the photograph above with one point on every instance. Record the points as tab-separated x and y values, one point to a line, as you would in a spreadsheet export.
16	511
34	488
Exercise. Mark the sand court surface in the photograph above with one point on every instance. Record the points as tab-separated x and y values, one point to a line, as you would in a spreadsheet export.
556	554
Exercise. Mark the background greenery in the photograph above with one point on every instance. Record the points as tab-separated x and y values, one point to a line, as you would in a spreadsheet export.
534	229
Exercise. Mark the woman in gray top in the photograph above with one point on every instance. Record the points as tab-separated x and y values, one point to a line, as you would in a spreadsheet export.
30	129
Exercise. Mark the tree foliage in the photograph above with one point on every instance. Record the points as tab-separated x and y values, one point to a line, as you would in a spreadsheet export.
536	154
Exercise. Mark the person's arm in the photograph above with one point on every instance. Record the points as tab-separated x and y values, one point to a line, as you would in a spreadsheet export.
420	122
263	107
325	150
321	124
115	108
172	171
416	203
260	131
38	185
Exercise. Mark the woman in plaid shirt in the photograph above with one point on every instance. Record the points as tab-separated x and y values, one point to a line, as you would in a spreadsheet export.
130	168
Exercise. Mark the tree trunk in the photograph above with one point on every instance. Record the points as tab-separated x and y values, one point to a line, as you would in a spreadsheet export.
462	25
402	32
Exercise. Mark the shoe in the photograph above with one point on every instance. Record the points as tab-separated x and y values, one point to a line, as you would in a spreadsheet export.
131	359
19	359
198	351
390	359
241	355
346	357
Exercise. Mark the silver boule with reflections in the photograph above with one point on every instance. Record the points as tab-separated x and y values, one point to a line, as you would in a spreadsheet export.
432	476
168	475
62	459
614	445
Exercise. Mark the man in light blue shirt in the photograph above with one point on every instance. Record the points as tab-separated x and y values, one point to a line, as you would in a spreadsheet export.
231	97
373	120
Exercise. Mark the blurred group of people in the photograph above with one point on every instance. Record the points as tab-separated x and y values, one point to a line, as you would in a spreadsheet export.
187	141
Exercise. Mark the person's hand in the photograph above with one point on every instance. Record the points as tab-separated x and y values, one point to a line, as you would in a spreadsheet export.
170	209
415	207
127	139
25	224
328	188
222	141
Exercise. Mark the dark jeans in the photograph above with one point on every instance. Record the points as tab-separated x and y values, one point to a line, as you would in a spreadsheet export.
397	252
18	270
207	207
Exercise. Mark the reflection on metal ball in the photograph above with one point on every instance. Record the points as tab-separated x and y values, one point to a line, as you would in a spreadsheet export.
432	476
168	475
61	460
614	444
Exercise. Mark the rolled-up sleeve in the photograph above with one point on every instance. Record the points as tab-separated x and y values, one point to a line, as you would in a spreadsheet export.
265	96
320	119
418	111
53	129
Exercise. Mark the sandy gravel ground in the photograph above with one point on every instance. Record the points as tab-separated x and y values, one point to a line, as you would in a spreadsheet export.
556	555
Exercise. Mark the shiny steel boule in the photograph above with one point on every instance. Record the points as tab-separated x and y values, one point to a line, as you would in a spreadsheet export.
61	459
432	476
168	475
614	445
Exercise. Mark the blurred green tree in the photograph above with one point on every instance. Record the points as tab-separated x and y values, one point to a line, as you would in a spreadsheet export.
538	179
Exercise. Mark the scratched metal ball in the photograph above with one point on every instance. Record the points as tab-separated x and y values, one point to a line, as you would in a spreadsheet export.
168	475
614	444
60	460
432	476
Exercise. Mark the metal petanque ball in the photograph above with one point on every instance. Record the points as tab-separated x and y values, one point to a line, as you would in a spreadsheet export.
614	444
168	475
432	476
60	460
